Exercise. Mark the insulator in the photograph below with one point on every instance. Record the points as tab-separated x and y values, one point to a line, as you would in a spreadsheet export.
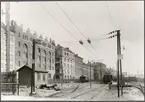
81	42
89	41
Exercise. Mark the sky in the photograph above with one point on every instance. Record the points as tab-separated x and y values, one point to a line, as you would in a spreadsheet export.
94	19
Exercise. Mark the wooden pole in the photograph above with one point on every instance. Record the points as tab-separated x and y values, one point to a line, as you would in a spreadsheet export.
90	76
118	53
33	69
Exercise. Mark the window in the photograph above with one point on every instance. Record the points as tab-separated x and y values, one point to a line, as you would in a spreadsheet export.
64	53
68	65
19	34
19	44
44	77
38	76
26	55
49	75
19	53
39	50
52	60
39	57
19	63
23	36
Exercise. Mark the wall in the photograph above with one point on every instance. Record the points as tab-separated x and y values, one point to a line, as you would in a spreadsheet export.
78	66
23	45
3	49
86	71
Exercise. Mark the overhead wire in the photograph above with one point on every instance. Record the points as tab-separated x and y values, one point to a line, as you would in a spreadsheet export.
74	24
61	25
110	14
57	21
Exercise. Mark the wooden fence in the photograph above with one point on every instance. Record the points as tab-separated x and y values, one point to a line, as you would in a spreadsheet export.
9	82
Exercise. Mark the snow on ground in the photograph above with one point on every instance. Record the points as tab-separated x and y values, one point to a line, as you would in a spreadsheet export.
130	94
24	91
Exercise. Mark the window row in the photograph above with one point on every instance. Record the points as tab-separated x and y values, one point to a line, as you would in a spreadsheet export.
68	60
68	71
68	77
67	65
42	76
68	54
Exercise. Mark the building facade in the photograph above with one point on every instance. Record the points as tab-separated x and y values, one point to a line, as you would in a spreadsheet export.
88	71
65	63
3	49
44	53
78	66
99	70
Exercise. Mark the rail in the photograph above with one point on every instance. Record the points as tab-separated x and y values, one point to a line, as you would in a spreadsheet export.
139	86
81	94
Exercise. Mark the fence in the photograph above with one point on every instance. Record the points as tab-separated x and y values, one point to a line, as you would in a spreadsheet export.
9	82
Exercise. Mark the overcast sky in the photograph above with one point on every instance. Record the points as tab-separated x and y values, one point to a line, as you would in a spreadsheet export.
93	20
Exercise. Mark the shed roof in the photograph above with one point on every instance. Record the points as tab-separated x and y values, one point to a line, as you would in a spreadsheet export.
36	69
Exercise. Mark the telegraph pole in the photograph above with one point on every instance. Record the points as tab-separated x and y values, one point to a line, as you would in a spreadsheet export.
33	69
90	76
7	7
119	63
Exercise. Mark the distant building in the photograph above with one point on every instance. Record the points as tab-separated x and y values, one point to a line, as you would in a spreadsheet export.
44	53
124	74
65	63
99	70
78	66
3	49
86	71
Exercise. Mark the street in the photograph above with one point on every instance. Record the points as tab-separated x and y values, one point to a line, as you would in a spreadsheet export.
98	92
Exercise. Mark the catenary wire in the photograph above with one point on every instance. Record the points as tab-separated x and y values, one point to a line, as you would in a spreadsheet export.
61	25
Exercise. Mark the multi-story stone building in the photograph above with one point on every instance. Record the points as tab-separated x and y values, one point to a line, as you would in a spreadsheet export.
78	66
3	49
44	53
99	70
65	63
88	71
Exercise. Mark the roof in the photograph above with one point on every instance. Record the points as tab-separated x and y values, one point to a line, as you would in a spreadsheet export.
76	55
36	69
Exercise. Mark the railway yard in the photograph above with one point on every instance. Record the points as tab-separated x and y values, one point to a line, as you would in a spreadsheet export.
82	91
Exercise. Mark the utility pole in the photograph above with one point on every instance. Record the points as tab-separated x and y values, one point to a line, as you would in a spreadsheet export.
61	76
7	7
100	73
90	76
121	77
33	69
119	63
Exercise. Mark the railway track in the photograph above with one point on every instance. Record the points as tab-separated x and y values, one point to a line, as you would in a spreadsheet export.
139	86
66	93
90	94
